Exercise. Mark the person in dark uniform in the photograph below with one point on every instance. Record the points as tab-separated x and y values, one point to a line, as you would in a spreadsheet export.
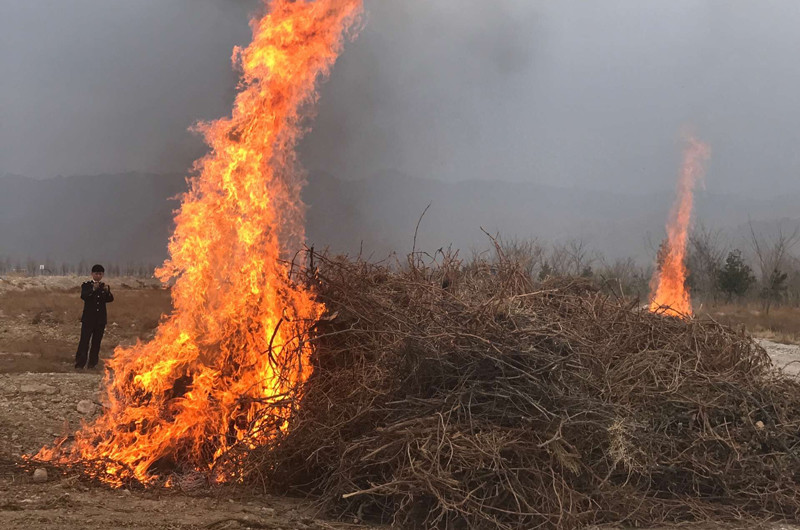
95	295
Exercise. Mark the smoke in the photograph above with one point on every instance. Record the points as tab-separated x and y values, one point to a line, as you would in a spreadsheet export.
427	85
89	87
569	93
92	89
589	95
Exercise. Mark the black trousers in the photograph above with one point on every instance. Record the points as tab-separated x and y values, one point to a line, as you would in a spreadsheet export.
94	332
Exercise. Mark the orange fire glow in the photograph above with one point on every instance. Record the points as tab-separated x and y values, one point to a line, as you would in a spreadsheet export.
221	367
668	286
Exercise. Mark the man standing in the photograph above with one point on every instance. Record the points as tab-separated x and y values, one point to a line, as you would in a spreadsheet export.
95	295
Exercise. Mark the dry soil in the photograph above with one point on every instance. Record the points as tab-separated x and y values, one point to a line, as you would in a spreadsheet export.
37	407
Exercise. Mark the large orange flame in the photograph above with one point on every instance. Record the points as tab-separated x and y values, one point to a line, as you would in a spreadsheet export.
223	366
669	293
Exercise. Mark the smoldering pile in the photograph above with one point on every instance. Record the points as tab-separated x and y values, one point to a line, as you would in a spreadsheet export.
472	396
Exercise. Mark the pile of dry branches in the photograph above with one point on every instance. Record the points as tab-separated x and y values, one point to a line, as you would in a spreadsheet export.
471	396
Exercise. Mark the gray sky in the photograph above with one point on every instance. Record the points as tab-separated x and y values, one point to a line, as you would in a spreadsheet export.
576	93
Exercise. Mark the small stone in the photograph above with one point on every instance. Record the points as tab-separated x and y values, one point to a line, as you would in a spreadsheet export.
40	475
268	511
760	425
38	389
85	407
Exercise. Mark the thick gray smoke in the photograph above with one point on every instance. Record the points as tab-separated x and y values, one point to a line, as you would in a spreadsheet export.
586	96
570	93
90	87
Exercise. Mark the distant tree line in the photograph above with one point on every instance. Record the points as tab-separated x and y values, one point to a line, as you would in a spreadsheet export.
50	267
764	268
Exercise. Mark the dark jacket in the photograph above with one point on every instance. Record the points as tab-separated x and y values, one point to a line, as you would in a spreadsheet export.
94	304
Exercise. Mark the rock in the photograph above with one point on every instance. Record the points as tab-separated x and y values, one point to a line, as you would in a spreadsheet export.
85	407
7	389
38	388
760	425
40	475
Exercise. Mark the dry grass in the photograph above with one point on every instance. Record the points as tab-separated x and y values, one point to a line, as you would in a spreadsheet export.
39	329
475	397
472	396
781	325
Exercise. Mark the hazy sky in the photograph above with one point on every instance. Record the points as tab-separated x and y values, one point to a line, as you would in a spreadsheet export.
577	93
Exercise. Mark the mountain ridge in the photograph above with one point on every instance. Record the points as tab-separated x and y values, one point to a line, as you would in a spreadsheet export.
128	217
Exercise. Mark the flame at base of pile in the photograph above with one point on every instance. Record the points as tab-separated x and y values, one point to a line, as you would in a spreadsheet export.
668	285
225	369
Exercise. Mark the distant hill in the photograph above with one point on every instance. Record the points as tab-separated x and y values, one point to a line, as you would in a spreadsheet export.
383	212
124	217
128	217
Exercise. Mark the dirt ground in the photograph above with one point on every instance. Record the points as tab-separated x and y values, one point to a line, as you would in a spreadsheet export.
784	356
42	397
40	319
36	408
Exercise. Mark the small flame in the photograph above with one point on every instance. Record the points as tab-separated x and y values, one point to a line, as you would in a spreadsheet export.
223	367
668	286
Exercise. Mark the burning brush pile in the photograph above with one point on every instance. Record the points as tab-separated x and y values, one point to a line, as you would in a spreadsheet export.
450	396
472	396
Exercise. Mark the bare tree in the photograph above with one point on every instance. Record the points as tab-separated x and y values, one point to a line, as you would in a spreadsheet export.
526	252
573	258
624	277
773	255
705	256
794	281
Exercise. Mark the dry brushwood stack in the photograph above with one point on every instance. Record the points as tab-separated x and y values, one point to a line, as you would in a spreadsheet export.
473	397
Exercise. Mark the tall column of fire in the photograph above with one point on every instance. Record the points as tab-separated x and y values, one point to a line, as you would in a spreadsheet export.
224	365
669	294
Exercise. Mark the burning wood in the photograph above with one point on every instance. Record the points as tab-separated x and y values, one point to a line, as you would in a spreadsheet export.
669	293
224	364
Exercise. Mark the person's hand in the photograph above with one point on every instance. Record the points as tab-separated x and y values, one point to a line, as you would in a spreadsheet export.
107	288
96	286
